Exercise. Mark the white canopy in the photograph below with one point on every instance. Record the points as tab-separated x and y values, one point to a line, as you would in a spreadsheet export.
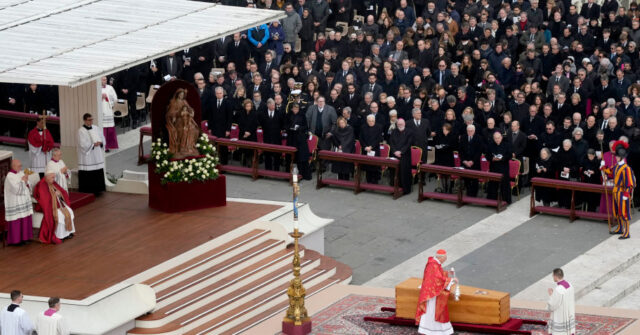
71	42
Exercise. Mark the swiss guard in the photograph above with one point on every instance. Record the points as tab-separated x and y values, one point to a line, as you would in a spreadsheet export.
624	181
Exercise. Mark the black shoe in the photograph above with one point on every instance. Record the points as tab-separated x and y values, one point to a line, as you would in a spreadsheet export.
615	232
624	237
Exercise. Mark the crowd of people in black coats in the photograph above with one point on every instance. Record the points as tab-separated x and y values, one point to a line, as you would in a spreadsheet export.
547	84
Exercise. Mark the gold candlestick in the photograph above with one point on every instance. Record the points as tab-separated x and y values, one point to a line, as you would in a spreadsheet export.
297	320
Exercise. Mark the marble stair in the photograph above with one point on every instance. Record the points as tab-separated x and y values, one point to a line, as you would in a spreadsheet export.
223	289
608	275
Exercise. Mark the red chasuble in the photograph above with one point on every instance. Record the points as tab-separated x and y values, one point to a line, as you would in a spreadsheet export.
434	284
45	204
45	140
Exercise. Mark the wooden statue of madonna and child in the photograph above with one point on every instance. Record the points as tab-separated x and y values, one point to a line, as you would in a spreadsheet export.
183	171
182	128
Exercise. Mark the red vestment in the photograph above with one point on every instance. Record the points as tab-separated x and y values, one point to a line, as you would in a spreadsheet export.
434	284
45	140
49	223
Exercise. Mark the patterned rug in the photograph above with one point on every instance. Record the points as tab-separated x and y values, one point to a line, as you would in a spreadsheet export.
345	317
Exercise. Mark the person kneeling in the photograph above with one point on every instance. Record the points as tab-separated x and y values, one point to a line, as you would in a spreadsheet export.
53	200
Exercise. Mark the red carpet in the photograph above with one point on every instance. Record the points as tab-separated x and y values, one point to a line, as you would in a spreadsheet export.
80	199
345	317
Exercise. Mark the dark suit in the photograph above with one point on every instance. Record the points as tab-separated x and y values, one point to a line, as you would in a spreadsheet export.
471	150
265	70
377	89
171	66
271	128
446	74
219	121
518	143
590	13
406	78
262	88
421	135
342	78
238	54
352	102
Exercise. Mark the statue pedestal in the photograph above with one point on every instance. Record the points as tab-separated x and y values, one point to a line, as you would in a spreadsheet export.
181	197
290	328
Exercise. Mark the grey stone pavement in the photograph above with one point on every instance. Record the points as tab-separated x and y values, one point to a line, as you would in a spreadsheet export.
372	233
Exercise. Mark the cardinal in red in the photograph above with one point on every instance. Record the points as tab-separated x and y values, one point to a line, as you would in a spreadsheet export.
433	315
53	201
40	145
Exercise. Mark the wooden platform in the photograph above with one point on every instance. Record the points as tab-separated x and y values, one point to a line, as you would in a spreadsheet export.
118	236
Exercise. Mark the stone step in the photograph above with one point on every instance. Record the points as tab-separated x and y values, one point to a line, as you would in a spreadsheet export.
631	301
218	271
614	289
243	313
199	263
342	276
193	308
591	269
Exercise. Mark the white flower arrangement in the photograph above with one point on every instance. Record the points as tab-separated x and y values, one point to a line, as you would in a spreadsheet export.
188	170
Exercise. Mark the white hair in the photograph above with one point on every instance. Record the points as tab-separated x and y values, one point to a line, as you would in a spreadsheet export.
577	130
371	117
393	112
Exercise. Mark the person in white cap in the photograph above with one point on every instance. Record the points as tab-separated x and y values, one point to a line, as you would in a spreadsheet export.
57	222
432	314
57	165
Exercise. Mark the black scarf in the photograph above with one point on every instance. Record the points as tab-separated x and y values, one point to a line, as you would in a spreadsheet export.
12	307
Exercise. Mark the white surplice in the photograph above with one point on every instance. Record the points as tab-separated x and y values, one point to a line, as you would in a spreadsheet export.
90	157
107	106
16	322
51	325
561	303
38	158
17	197
61	229
61	178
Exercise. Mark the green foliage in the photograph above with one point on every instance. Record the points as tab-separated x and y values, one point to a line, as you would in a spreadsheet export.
186	170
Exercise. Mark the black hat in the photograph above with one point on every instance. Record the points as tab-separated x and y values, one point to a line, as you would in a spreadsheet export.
621	152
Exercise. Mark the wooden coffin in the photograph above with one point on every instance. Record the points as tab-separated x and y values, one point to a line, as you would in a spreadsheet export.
476	305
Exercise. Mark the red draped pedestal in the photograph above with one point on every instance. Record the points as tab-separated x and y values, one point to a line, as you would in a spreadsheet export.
180	197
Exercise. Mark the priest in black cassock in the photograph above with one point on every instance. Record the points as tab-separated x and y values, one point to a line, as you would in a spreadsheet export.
499	156
296	127
400	142
370	140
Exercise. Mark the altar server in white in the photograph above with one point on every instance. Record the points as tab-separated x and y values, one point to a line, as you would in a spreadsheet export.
57	166
17	204
90	157
561	303
13	319
109	98
51	322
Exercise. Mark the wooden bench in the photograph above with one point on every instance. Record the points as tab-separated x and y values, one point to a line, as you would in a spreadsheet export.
573	186
458	197
254	171
358	160
22	141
